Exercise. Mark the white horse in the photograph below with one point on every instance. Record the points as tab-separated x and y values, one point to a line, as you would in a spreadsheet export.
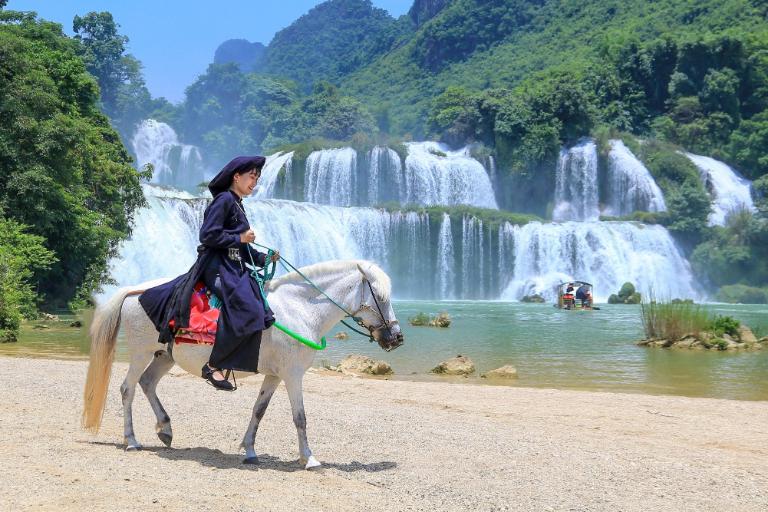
297	305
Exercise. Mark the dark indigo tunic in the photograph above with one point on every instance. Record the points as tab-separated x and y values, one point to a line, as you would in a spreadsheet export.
221	266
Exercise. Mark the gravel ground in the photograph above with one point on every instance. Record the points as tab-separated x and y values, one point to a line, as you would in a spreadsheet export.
385	445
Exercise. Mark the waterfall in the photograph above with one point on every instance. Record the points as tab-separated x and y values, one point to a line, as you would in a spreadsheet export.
435	175
176	165
481	263
729	190
445	259
630	185
472	258
606	254
576	189
330	177
271	172
384	175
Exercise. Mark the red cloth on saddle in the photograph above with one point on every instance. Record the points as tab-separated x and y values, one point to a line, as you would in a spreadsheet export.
203	320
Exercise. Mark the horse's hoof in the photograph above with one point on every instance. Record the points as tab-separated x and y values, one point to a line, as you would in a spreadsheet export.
312	462
133	448
251	461
165	438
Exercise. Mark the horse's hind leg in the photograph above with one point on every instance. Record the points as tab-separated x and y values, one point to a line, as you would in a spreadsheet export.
139	361
268	388
148	382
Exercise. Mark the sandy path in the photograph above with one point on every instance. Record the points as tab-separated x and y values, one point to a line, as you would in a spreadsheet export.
386	445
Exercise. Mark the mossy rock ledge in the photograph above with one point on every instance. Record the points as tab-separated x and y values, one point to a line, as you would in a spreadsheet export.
743	340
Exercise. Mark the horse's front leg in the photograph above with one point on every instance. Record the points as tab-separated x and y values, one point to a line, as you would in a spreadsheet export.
295	394
268	388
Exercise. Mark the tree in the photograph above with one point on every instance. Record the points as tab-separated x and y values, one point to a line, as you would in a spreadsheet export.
63	170
124	95
21	255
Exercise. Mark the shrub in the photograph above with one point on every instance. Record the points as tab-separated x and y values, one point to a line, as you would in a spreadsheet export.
725	325
419	320
672	321
627	289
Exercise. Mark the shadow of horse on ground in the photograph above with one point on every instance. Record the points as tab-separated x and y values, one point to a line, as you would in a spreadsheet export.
217	459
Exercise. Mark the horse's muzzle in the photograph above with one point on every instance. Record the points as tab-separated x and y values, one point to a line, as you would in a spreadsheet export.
390	343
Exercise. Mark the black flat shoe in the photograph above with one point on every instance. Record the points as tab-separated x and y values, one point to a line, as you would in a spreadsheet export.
207	374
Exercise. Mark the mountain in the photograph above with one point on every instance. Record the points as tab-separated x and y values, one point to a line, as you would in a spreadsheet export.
424	10
481	44
248	56
331	41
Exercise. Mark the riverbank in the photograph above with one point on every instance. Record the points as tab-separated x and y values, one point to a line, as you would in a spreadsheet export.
392	445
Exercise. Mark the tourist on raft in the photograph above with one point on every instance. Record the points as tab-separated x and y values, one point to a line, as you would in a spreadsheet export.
225	237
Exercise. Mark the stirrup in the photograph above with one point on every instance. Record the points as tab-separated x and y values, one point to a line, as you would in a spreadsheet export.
207	374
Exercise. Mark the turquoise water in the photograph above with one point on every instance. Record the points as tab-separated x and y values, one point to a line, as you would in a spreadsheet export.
549	347
572	349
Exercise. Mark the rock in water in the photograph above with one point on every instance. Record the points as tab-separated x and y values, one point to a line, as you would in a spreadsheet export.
459	365
355	364
746	335
505	372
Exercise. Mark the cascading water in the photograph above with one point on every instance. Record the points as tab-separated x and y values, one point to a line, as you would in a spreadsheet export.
424	262
176	165
729	190
445	259
435	175
330	177
630	185
385	175
576	189
429	255
604	253
271	172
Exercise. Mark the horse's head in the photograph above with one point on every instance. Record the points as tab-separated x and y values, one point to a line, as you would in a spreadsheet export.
375	311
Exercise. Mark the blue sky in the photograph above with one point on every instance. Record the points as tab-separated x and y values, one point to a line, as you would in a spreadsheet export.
176	39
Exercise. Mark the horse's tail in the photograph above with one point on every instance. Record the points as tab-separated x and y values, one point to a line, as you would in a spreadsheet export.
104	329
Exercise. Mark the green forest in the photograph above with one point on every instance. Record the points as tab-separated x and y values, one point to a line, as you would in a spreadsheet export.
521	78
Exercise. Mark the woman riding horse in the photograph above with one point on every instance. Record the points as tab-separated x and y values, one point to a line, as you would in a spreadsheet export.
224	236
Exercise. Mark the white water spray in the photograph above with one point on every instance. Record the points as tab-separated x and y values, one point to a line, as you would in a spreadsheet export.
730	191
176	164
435	175
576	190
631	187
330	177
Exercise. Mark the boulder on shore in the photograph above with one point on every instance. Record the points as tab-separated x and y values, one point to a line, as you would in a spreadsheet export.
356	364
505	372
459	365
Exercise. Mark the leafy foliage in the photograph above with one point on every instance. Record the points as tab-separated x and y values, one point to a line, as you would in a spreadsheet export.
123	93
21	255
227	110
64	172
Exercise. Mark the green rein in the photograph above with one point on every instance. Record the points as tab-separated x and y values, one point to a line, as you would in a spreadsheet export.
262	278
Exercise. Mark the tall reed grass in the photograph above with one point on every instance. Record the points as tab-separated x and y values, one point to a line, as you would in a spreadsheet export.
673	320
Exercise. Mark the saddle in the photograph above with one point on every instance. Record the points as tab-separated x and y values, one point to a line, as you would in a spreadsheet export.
203	319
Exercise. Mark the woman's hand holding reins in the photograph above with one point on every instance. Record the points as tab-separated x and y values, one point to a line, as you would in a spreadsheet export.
247	237
275	257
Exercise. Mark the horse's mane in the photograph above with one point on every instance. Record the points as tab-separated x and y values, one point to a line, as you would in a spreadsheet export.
380	281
